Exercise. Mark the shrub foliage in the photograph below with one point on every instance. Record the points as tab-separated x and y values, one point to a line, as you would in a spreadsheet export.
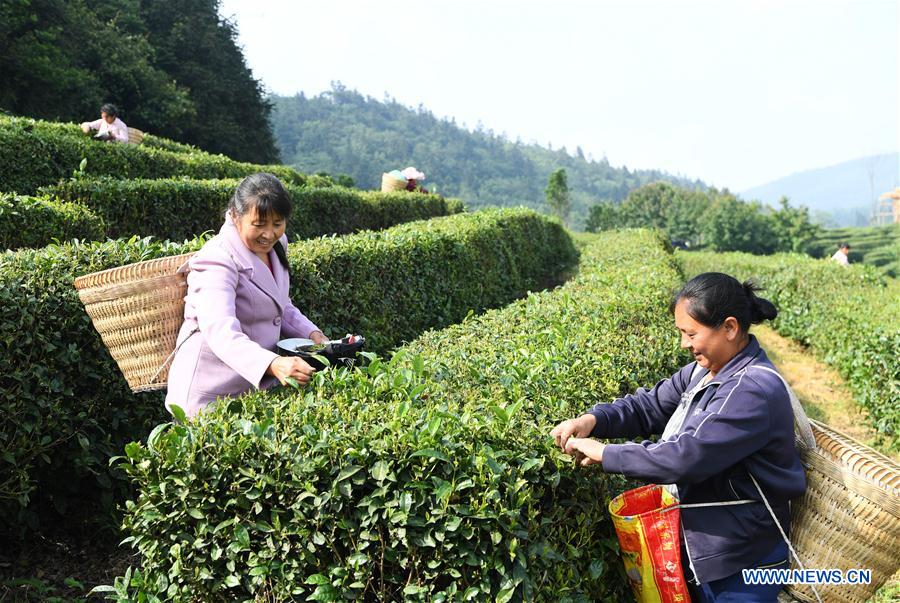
875	245
36	153
35	222
427	477
178	208
65	408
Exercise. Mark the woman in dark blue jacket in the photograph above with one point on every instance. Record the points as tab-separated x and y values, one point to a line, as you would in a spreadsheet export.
727	435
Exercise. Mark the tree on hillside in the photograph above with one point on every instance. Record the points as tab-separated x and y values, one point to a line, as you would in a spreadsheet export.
199	50
62	59
173	68
793	227
683	216
710	218
603	216
648	205
557	194
734	225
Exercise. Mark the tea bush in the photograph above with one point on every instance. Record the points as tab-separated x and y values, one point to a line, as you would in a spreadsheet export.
166	144
847	315
875	245
35	222
177	208
35	153
65	408
427	477
392	285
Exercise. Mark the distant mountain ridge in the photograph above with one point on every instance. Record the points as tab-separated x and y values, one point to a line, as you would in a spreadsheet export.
845	190
341	131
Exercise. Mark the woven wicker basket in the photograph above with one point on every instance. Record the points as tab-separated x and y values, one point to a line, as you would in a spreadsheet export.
849	517
390	184
138	309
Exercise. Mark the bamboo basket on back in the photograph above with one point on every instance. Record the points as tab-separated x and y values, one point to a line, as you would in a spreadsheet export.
138	310
390	184
849	517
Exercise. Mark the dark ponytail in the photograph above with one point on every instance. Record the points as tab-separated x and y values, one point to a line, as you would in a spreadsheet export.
712	297
760	309
266	194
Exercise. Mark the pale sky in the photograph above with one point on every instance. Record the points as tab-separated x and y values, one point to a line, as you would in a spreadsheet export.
734	92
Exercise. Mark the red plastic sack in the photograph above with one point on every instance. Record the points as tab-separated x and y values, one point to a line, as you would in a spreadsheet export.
647	522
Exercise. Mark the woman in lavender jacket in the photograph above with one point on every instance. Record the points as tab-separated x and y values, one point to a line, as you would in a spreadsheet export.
237	305
727	436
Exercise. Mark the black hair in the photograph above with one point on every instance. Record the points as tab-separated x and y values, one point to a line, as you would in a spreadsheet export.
712	297
265	193
844	244
110	109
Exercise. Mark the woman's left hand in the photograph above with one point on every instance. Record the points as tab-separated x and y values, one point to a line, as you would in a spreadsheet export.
318	337
586	451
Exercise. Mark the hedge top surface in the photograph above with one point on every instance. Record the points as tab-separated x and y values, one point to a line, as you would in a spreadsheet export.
37	221
177	208
35	153
429	476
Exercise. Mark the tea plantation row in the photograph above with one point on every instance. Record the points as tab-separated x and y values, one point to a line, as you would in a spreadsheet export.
177	209
65	408
849	316
35	153
430	476
874	245
36	222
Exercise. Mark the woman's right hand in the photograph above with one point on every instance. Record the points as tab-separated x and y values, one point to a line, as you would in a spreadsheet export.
578	428
285	367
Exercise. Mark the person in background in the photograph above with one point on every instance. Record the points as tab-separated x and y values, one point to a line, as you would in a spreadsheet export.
841	256
109	127
237	306
412	176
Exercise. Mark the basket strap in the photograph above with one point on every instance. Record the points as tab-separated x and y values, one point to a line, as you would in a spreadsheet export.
726	503
801	421
172	355
783	535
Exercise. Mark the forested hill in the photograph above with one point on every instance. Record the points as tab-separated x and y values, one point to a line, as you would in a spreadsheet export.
173	68
341	131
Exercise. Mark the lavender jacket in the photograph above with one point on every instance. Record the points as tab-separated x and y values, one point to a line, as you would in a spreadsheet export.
740	422
241	310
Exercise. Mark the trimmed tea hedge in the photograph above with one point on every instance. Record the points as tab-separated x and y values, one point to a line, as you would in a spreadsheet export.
65	408
181	208
36	153
168	145
35	222
847	315
430	477
875	245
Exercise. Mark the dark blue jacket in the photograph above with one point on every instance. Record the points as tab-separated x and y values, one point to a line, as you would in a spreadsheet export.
740	421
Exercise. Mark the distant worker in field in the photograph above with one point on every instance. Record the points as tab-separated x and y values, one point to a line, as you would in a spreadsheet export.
412	176
841	256
109	127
